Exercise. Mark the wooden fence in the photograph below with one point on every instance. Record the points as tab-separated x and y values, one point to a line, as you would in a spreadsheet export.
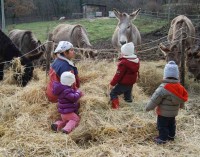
162	15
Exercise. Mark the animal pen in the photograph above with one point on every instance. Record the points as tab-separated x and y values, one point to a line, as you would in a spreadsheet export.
26	115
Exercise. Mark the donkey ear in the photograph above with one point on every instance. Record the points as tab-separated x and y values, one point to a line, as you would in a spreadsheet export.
134	14
188	51
164	49
117	13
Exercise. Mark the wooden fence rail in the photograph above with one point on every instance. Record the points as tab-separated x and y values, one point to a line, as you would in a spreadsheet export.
162	15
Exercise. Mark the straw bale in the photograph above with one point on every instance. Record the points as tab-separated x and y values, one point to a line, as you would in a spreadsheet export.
26	116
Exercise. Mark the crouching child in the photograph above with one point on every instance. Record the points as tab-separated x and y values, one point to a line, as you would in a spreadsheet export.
68	104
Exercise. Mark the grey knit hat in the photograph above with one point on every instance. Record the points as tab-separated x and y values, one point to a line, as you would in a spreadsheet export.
171	70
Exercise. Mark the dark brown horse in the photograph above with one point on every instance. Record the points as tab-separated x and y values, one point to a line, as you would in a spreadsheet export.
8	51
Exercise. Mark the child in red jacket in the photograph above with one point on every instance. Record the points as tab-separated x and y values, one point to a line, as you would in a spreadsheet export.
126	75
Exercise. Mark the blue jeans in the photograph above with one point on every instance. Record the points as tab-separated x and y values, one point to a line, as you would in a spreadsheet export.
166	127
121	89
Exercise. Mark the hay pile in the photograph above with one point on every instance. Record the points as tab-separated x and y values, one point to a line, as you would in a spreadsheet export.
151	76
26	115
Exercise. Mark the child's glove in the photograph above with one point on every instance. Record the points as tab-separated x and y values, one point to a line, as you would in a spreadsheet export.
82	94
138	76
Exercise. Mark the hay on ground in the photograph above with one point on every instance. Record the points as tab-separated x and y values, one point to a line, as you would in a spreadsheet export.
26	116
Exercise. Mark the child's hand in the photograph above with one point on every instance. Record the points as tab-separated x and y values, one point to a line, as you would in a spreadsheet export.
74	87
111	87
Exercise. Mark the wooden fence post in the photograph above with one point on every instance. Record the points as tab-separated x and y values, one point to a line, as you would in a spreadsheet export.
49	49
182	67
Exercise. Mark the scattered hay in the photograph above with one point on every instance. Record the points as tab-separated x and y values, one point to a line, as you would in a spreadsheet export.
151	76
7	90
192	86
194	106
26	116
9	78
15	72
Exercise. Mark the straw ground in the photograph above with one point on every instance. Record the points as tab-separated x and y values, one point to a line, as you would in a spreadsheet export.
26	116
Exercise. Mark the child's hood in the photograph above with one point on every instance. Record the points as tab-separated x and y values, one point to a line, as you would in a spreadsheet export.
132	58
179	93
58	88
132	64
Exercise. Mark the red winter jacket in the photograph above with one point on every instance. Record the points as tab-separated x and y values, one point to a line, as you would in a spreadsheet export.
127	71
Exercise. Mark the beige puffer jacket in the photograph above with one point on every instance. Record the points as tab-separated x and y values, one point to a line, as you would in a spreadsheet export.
168	98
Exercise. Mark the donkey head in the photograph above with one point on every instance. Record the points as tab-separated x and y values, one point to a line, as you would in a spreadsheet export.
193	60
125	25
171	53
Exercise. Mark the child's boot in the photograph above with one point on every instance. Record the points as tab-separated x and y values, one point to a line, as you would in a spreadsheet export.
115	103
157	140
170	138
70	126
57	125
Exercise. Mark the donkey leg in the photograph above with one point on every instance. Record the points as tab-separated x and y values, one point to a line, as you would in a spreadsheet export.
1	71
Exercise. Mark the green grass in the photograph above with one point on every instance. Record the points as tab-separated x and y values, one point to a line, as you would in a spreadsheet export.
98	29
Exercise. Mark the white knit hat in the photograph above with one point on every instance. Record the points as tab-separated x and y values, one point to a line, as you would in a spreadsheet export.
67	78
171	70
63	46
128	49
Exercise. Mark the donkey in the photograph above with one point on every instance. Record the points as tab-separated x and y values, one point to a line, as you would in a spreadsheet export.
126	31
193	62
26	41
76	34
181	26
8	51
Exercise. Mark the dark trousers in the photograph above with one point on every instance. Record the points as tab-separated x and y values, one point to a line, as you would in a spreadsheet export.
121	89
166	127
